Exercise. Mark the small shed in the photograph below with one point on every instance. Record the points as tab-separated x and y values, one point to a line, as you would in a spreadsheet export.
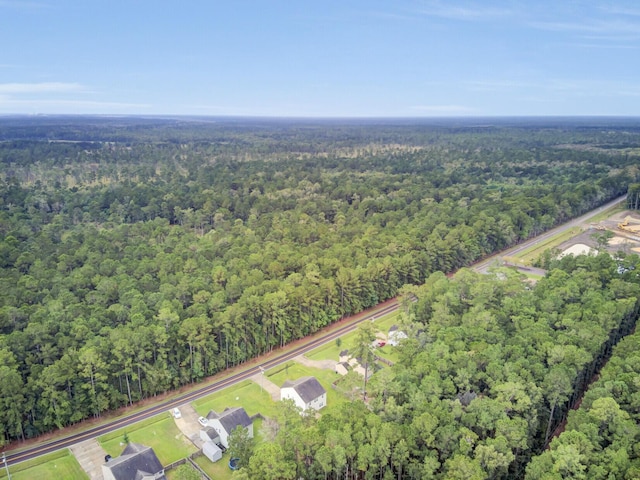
342	368
211	451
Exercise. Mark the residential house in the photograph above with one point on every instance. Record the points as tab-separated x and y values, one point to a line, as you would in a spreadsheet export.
306	393
227	421
137	462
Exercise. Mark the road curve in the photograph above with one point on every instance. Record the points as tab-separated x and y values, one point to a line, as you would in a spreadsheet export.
306	345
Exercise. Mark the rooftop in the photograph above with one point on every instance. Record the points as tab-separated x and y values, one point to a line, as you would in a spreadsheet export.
307	387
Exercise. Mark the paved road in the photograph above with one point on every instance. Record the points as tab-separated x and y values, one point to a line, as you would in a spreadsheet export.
272	361
216	384
514	251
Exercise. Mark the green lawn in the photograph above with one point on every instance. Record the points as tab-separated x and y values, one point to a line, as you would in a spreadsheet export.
531	254
55	466
219	470
246	394
331	351
383	324
292	371
159	433
388	352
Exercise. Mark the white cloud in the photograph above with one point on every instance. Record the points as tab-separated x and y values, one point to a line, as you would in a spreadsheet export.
610	28
45	87
463	12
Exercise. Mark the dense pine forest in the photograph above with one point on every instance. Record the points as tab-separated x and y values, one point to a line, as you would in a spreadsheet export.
139	255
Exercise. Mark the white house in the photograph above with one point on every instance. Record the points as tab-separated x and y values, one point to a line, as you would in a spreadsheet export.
136	461
226	422
306	393
395	335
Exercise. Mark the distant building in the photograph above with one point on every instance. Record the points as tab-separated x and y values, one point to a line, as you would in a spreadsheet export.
306	393
395	336
137	462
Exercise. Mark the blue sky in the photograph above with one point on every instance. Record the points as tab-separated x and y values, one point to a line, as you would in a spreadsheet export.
346	58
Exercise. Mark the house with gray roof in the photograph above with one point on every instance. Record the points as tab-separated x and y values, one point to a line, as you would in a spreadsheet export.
137	462
226	422
395	335
306	393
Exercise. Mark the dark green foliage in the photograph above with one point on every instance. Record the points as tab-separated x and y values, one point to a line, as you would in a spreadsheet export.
138	256
490	367
633	197
602	436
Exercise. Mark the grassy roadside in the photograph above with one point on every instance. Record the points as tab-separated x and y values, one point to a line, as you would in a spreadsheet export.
532	253
54	466
159	432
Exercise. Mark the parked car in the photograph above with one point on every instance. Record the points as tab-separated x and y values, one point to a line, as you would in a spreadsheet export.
202	421
176	413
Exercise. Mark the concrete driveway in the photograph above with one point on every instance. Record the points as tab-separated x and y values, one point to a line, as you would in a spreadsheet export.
189	425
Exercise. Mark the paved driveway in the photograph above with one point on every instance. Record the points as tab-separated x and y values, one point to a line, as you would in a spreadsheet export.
90	456
189	425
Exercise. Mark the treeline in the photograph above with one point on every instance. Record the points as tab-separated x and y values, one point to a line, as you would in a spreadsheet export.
489	368
602	437
132	268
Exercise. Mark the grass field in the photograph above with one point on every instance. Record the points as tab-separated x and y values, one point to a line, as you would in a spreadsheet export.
331	351
531	254
219	470
246	394
159	433
388	352
55	466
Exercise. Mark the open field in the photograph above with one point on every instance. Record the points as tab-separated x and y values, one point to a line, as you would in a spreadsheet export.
159	432
55	466
246	394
